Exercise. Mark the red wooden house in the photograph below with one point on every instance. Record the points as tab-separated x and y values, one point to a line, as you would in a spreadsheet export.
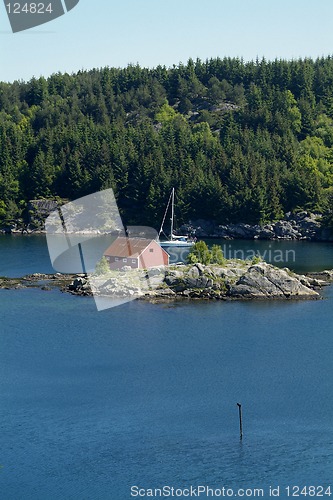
137	253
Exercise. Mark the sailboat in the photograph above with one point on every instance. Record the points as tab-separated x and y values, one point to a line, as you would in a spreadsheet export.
173	241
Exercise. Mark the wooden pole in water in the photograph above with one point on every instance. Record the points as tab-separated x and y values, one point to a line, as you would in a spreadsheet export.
240	421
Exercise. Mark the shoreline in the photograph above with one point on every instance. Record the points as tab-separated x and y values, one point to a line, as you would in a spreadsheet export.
231	281
301	226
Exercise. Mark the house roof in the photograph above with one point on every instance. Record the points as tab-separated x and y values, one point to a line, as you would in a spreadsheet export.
128	247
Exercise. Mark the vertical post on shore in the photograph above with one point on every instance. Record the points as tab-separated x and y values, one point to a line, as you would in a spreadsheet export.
69	241
82	259
240	421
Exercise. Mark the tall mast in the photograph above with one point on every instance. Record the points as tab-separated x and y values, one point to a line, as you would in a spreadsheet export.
165	214
172	211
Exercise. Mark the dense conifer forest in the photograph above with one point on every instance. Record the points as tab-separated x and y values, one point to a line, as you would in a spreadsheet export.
240	141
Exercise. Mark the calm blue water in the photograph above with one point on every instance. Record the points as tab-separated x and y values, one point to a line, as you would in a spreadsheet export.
28	254
144	394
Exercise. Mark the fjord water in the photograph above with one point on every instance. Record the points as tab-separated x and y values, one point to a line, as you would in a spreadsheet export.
28	254
145	394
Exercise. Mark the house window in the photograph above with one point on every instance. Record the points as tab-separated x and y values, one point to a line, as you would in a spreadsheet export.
116	259
124	260
151	250
133	261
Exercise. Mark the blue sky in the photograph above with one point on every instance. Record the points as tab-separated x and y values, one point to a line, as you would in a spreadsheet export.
151	32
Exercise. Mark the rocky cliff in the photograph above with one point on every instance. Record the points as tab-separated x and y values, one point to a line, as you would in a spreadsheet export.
300	226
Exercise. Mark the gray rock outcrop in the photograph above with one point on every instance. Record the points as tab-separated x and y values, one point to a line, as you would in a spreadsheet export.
265	281
234	280
238	280
300	226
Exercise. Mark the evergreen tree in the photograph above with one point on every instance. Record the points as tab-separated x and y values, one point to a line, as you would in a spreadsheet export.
240	141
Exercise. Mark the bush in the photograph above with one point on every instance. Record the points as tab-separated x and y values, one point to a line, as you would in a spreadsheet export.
256	260
200	253
217	256
102	267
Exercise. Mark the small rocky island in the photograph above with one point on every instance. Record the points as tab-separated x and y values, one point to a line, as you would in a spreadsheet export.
234	280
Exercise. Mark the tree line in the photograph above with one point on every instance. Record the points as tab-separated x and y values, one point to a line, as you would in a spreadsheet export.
239	141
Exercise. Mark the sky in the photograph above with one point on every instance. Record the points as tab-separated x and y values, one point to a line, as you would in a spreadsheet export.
98	33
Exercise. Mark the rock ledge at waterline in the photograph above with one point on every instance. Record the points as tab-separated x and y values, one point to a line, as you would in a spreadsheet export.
234	280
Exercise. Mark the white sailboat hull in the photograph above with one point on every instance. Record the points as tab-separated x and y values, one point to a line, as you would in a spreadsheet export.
176	244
